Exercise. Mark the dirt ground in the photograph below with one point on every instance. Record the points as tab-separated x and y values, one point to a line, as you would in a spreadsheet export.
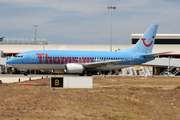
112	98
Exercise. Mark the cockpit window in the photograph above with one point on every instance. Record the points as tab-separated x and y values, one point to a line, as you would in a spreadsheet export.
18	56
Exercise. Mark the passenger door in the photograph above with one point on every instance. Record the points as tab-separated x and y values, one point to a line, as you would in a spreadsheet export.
32	57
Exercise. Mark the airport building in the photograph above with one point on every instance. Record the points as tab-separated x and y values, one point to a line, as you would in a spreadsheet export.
173	39
162	64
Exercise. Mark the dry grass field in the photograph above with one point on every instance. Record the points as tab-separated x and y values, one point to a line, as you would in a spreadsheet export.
112	98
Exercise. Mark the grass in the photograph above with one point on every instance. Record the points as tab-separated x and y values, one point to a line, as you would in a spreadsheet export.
113	117
125	117
127	99
178	87
101	98
107	87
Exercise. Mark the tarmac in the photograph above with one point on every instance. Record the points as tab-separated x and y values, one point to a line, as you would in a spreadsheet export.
17	78
12	78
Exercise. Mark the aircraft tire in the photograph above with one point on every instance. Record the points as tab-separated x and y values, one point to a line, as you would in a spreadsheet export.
89	74
81	74
25	74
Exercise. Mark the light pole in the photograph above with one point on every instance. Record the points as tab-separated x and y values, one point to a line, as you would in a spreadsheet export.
111	7
35	32
44	42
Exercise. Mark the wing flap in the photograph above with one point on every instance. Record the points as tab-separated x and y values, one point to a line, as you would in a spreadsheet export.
104	63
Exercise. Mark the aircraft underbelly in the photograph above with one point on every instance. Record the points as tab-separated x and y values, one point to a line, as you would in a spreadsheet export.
112	67
61	67
39	66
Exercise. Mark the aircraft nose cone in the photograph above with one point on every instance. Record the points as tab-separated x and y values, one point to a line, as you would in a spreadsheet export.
9	61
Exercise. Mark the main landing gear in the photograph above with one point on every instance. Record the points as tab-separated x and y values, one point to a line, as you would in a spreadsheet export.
87	73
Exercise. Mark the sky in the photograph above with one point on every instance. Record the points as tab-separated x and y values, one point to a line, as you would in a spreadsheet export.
87	21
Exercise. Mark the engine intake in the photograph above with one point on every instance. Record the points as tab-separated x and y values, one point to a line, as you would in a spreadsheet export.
73	68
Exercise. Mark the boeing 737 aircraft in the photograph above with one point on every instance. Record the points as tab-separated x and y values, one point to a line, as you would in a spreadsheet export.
82	62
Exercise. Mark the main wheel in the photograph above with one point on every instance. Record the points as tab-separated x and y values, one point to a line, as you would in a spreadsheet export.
25	74
82	74
89	74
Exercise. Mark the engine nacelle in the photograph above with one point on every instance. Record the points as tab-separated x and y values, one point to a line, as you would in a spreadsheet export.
73	68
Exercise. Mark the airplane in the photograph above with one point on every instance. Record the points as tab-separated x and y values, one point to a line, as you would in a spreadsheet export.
86	62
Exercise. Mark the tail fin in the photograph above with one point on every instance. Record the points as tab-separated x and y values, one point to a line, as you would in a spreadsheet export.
146	42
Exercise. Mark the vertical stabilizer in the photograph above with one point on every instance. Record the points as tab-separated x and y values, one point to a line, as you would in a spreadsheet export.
146	42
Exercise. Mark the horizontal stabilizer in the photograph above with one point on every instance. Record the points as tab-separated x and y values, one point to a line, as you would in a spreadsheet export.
156	54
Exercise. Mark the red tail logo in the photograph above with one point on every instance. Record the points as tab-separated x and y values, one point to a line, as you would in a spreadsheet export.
147	45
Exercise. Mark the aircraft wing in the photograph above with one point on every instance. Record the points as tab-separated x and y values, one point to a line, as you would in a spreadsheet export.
156	54
103	63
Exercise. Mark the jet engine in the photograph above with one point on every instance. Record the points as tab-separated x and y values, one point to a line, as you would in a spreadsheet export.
73	68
